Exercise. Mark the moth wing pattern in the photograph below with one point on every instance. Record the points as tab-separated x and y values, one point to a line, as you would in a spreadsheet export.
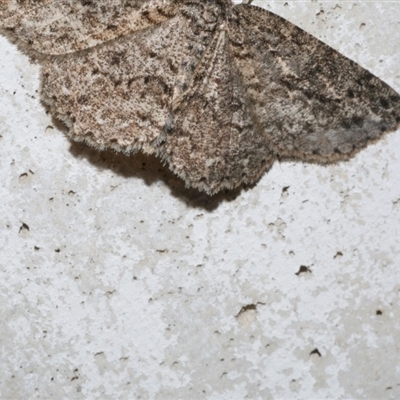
216	141
63	26
218	91
313	103
118	94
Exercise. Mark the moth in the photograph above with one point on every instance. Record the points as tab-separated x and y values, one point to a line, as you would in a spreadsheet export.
216	90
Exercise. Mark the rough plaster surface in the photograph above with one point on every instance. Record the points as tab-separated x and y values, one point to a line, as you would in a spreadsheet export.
117	283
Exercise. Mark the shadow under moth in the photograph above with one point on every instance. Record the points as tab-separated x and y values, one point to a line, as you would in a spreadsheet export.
216	90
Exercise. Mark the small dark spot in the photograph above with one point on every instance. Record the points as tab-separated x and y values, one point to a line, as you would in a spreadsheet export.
315	152
322	99
57	250
146	80
95	71
338	254
82	99
346	124
350	94
172	66
23	177
166	89
379	312
249	307
367	76
152	54
315	351
24	227
384	102
355	120
303	269
115	60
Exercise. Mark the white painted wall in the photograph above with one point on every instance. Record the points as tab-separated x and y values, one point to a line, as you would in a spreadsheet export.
117	283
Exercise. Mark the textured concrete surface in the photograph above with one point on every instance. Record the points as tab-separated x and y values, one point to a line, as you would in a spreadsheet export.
117	283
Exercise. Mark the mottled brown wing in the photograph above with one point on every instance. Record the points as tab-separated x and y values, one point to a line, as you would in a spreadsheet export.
65	26
120	94
214	141
310	101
